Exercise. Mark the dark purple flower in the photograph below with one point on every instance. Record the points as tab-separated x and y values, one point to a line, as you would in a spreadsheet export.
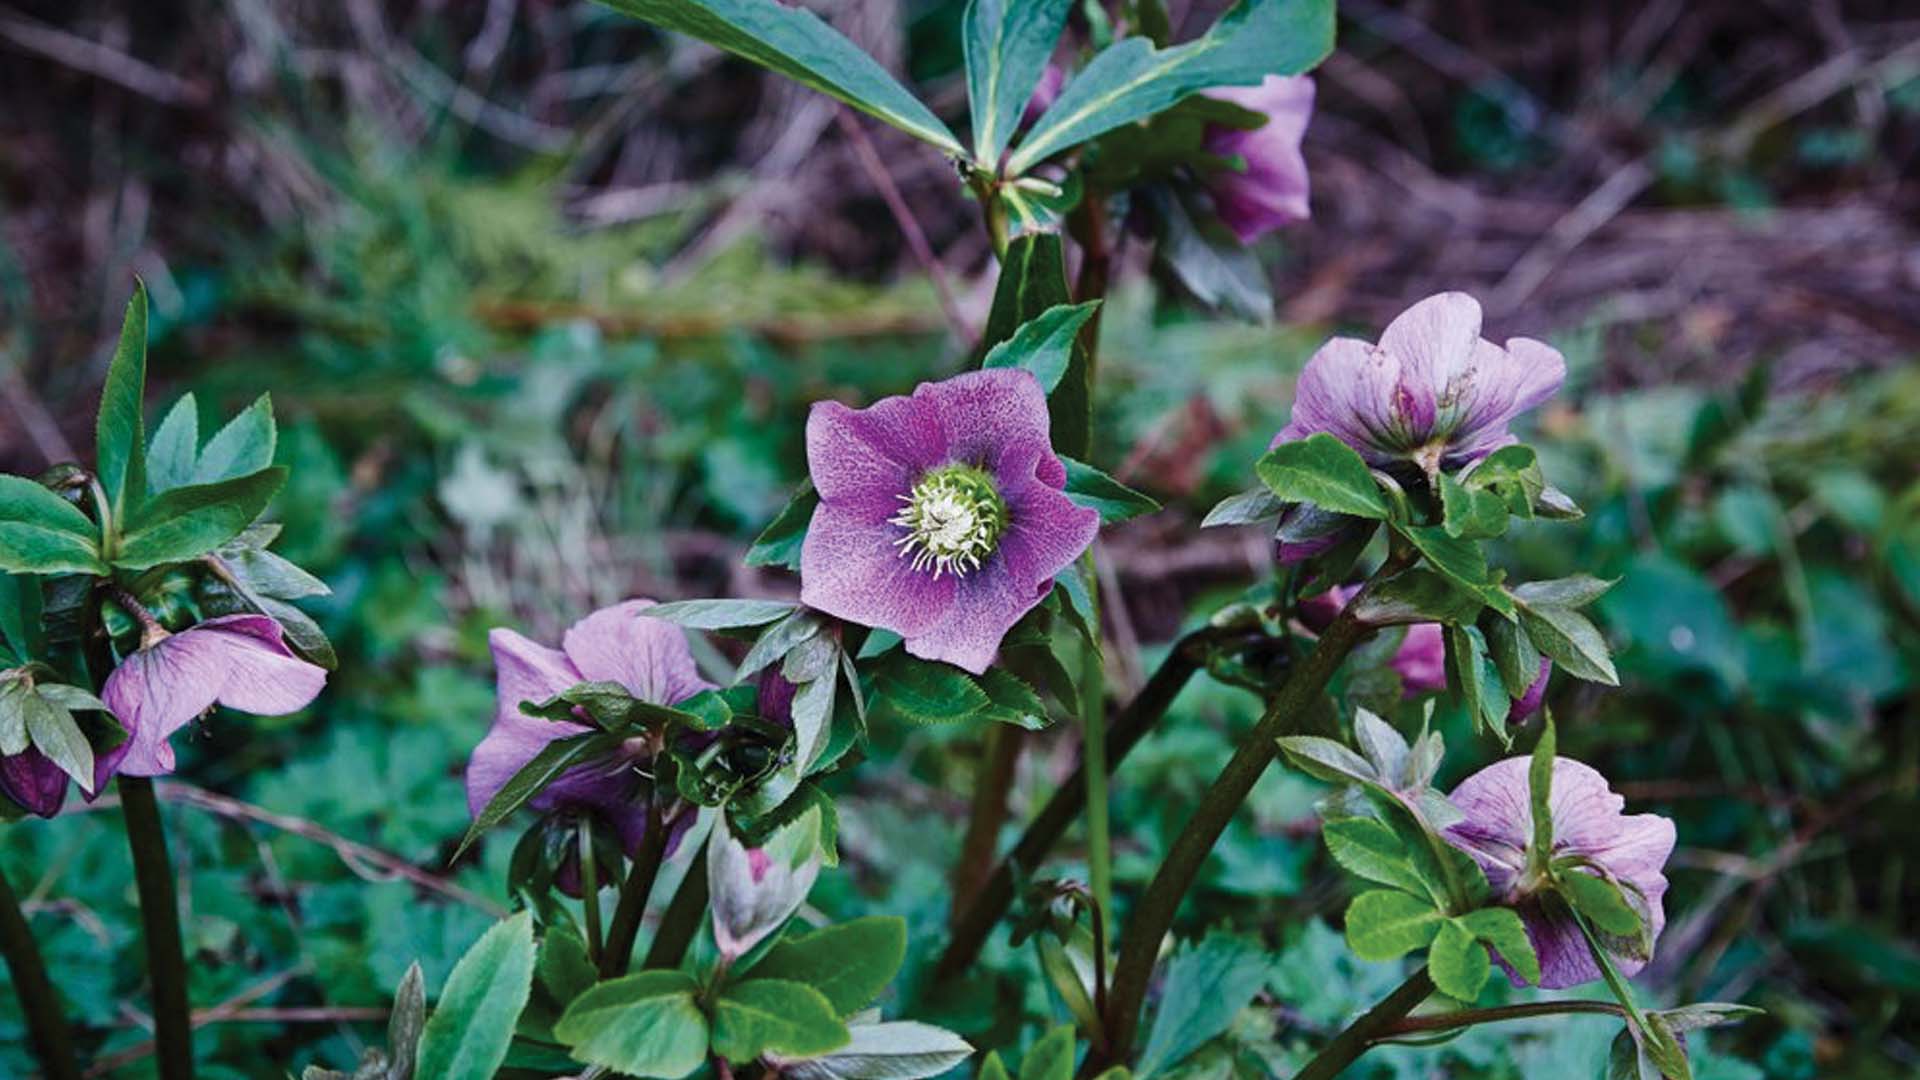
34	782
1529	701
617	644
1497	828
1271	191
240	661
1433	392
941	515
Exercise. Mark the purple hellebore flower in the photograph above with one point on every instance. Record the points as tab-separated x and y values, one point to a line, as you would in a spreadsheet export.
941	515
1588	824
1433	391
34	782
240	661
1271	192
617	644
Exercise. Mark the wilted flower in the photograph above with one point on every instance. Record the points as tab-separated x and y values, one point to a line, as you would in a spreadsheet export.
618	644
1271	191
1588	827
1433	392
753	891
240	661
941	514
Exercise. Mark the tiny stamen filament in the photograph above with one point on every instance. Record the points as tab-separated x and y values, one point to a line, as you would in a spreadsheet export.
953	519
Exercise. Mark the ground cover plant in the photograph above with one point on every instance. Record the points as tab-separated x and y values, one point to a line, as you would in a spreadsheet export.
886	784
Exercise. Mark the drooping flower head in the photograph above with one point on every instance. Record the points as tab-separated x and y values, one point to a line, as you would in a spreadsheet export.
1588	828
1432	392
240	661
941	514
1271	190
619	644
754	891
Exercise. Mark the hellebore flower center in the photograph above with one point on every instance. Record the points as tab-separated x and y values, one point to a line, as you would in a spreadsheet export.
953	519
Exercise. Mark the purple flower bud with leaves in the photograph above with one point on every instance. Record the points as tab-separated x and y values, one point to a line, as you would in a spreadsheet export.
754	891
1270	192
1590	836
619	644
942	515
1421	659
33	782
1532	697
1432	392
240	661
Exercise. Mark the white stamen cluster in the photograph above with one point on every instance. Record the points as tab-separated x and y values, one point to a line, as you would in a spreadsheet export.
953	519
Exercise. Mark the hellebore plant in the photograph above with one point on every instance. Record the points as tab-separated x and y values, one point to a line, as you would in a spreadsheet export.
1269	190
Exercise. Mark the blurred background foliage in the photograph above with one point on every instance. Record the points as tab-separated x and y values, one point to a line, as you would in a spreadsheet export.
542	296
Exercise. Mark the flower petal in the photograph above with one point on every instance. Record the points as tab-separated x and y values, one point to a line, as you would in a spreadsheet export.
874	454
648	656
263	676
1434	340
1272	190
156	692
32	780
524	671
1348	390
1421	659
990	414
850	569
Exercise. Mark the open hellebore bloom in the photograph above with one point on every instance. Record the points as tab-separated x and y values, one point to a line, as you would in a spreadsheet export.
1271	191
1432	392
1588	826
941	515
240	661
617	644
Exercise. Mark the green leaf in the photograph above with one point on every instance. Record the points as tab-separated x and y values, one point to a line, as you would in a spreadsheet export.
407	1023
1600	901
850	963
1326	472
1473	673
1458	963
780	542
1469	514
1012	701
467	1036
722	614
1461	560
1043	344
991	1067
902	688
42	533
21	609
648	1025
120	438
777	640
56	734
191	521
1572	640
1246	508
1131	80
1415	596
1502	929
1207	984
1575	591
1033	280
175	447
1089	487
1512	475
1367	848
15	694
1327	759
1211	263
553	759
1007	43
1051	1058
899	1050
797	44
1383	924
1512	653
761	1016
1540	794
241	448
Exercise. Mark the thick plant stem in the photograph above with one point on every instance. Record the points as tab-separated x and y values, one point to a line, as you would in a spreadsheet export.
625	927
39	1001
1459	1018
682	918
590	893
160	926
1153	915
987	813
971	928
1347	1046
1093	752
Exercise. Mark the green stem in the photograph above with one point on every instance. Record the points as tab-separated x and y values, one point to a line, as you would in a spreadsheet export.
682	918
590	893
160	926
1347	1046
1451	1021
39	1001
987	812
971	929
1093	750
625	927
1153	915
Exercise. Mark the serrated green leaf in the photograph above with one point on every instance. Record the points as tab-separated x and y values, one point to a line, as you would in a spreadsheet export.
1512	653
467	1036
647	1025
1206	986
1461	560
1132	80
1416	596
22	606
722	614
120	438
1574	591
1458	963
1012	701
1006	44
1502	929
1511	474
191	521
905	689
1599	901
1471	514
1089	487
780	542
761	1016
242	447
797	44
778	639
1573	642
406	1024
1472	672
1033	280
175	447
1540	795
1051	1058
1326	472
1368	849
1383	924
42	533
14	695
898	1050
850	963
1043	345
1327	759
56	734
1246	508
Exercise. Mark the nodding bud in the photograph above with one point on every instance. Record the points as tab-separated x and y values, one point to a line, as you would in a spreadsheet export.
754	891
